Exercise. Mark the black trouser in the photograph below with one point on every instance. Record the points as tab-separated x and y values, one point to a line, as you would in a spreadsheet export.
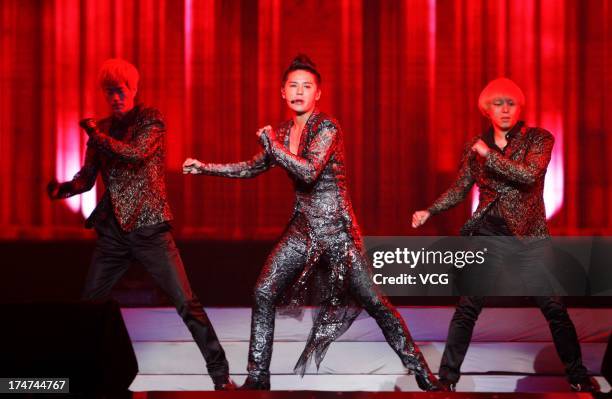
512	266
553	309
154	247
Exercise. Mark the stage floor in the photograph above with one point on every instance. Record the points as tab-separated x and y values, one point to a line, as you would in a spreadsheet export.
511	351
355	395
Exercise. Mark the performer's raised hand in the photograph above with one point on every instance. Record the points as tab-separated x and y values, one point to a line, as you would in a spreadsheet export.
481	148
268	131
53	189
191	166
89	125
419	218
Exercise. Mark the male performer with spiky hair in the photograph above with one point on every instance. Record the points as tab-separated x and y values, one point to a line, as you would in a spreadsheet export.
132	219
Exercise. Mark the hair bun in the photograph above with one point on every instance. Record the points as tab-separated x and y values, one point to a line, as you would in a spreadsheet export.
302	60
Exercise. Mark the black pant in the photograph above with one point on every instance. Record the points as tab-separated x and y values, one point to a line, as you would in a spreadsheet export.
512	266
154	247
553	309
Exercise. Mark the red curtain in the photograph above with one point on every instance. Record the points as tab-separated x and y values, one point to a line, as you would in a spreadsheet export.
402	77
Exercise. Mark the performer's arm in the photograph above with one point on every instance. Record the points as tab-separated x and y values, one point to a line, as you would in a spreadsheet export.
239	170
527	171
81	182
149	137
309	168
460	187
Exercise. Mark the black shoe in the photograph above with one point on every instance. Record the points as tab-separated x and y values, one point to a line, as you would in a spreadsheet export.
428	382
448	386
256	384
588	385
224	383
424	377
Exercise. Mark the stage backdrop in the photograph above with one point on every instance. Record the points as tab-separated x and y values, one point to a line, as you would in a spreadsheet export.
402	77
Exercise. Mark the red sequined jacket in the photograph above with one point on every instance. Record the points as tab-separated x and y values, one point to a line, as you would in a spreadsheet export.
130	154
514	178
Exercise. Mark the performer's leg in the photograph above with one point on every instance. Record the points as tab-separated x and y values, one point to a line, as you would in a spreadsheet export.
564	336
388	319
281	268
469	307
110	261
533	262
154	247
484	279
459	336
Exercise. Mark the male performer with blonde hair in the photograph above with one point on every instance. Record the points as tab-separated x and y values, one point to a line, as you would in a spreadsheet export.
508	163
132	219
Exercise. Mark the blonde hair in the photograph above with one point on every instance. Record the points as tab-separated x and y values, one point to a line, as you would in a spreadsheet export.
116	71
500	87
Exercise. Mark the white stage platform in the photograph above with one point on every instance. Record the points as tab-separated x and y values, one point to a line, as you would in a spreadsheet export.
511	351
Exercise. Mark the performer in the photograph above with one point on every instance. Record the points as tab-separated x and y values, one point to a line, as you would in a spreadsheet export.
132	219
508	163
310	148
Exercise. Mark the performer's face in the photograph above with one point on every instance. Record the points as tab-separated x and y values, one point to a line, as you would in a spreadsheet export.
301	91
120	98
504	112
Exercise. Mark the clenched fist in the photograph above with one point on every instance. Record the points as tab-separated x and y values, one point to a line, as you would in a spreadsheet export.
481	148
419	218
268	131
53	189
191	166
89	125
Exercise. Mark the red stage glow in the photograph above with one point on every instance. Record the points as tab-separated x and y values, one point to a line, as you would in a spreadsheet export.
70	152
402	78
70	141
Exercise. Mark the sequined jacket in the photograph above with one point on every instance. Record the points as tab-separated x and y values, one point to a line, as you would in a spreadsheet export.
130	154
515	179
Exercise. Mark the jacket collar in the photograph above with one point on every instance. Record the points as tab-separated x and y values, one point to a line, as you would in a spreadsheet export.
518	129
128	119
307	128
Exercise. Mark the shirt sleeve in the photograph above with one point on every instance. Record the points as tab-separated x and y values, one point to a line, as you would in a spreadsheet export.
529	170
306	169
149	136
460	187
84	179
240	170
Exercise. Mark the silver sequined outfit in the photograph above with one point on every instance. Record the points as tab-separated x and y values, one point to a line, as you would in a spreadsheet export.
322	227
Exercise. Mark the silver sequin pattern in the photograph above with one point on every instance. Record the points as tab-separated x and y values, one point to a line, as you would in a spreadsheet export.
320	250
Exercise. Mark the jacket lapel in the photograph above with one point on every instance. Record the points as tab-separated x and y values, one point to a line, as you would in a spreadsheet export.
517	144
309	130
